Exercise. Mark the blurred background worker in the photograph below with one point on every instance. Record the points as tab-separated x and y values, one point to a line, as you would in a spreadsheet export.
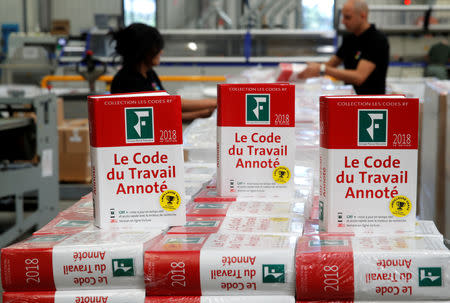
364	52
438	56
141	47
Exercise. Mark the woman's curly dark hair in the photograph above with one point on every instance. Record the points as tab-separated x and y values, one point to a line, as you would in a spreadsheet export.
137	41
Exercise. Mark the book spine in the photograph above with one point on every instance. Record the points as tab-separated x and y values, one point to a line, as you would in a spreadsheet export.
95	183
29	296
30	270
323	167
172	273
324	272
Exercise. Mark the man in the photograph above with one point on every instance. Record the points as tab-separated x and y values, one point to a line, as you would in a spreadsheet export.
364	52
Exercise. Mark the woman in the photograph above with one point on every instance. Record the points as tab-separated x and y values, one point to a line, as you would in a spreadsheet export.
141	47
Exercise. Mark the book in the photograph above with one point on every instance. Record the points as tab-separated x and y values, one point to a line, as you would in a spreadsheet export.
137	159
77	296
372	268
220	299
368	163
95	259
220	264
256	140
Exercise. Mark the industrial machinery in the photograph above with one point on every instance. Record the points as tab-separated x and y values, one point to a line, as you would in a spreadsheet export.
28	163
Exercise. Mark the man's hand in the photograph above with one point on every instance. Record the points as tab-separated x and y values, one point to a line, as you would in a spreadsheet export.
312	70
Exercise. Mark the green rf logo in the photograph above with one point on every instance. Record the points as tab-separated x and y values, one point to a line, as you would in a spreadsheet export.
372	127
257	109
430	276
273	273
139	125
122	267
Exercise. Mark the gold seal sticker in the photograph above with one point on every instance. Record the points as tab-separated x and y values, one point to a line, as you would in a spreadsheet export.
400	206
281	174
170	200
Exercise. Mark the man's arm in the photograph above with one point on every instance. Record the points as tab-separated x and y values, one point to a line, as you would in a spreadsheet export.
334	61
353	76
356	77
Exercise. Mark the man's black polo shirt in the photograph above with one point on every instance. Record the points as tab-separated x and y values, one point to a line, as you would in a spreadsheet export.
371	45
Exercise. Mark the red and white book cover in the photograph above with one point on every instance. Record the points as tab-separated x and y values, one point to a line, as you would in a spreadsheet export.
137	159
77	296
220	264
288	72
256	140
220	299
368	163
88	260
372	268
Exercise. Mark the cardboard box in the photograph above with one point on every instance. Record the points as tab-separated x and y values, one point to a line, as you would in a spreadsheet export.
368	163
256	140
137	160
60	27
60	111
220	264
74	156
372	268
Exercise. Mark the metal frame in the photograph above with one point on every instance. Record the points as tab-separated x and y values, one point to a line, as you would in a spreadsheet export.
19	181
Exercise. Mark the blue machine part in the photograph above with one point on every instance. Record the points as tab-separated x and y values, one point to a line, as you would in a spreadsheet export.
7	29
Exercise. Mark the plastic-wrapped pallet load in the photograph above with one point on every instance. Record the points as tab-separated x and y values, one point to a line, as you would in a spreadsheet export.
77	296
220	264
97	259
372	268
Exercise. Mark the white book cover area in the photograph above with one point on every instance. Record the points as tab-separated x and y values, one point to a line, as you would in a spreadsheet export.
137	159
256	140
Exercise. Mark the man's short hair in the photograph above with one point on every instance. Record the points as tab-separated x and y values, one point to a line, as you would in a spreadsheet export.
360	6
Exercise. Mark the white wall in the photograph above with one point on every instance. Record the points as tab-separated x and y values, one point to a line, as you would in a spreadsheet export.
81	12
11	11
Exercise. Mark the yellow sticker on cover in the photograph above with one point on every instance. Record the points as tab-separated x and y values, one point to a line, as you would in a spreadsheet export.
400	206
281	174
170	200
